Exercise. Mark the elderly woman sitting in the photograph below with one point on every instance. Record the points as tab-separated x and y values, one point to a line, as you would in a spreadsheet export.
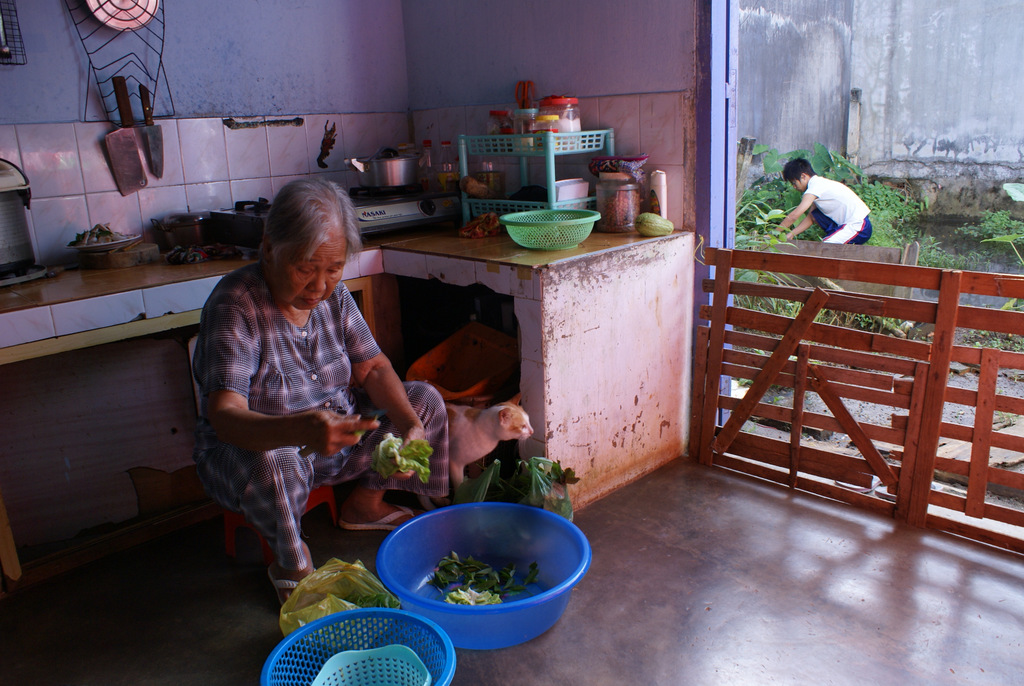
286	364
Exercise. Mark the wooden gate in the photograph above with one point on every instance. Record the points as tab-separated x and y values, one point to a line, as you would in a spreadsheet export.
789	334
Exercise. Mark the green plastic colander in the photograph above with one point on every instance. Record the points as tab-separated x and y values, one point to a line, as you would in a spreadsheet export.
550	229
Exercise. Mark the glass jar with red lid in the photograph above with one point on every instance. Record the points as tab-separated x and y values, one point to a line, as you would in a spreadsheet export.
566	109
499	122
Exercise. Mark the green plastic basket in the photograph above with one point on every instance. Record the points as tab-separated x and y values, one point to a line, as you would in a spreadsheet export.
550	229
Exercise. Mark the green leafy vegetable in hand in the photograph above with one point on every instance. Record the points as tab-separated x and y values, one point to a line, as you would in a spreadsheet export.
389	457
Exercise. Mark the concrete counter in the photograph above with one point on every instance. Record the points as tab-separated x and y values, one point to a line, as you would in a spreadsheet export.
604	343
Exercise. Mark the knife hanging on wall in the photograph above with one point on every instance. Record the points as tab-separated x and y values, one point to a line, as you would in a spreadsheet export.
123	146
152	135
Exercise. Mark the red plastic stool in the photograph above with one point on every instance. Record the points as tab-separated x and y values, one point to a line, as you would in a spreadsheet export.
234	520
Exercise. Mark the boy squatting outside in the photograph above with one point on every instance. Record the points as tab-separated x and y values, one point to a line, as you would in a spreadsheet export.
833	206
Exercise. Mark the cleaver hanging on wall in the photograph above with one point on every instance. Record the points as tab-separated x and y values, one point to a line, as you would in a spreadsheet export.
123	146
152	135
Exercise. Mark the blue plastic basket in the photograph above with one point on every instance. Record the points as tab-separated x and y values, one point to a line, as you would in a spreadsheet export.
298	659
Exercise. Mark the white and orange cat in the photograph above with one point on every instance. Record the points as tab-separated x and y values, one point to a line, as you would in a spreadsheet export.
474	432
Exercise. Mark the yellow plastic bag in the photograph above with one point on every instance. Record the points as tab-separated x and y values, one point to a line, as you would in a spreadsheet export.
335	587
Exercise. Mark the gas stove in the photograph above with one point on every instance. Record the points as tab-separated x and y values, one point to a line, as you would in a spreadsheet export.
386	209
377	210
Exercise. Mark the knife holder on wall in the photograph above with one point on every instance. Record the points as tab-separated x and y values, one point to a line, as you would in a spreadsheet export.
134	53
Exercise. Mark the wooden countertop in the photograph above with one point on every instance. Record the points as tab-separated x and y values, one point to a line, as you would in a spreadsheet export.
502	249
77	284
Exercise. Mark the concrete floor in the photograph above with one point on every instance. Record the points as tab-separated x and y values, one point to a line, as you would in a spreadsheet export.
699	577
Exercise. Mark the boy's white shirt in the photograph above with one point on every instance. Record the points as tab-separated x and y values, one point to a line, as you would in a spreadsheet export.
836	200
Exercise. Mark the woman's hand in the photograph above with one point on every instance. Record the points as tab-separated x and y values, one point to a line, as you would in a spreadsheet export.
415	432
329	432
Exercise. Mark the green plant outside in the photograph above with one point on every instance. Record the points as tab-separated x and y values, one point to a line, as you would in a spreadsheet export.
894	216
762	206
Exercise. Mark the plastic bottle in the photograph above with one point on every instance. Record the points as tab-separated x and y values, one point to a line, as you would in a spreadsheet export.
659	187
447	171
427	173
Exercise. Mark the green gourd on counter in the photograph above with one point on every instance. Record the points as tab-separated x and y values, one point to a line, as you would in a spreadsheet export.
650	224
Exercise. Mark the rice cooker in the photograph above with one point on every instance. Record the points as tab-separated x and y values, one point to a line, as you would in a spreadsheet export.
15	242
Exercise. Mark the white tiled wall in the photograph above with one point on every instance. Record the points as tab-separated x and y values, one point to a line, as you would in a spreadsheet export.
210	166
63	319
206	166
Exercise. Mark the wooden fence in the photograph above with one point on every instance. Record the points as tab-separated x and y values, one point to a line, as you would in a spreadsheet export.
787	335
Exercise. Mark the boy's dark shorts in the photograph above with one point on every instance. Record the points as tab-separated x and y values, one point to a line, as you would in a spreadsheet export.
830	227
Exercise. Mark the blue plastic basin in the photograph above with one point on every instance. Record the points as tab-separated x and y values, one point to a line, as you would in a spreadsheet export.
495	533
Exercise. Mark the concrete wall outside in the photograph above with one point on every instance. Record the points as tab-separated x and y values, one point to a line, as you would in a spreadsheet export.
794	72
939	86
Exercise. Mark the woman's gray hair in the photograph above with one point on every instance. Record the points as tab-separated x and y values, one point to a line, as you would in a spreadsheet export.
304	214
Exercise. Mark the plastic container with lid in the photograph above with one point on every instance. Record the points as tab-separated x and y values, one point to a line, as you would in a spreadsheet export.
499	122
522	120
566	109
522	124
618	201
544	123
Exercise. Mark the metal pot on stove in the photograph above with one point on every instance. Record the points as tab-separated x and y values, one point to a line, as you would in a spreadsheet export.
386	168
184	229
15	242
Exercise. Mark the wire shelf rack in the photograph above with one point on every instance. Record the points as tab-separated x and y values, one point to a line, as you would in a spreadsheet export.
136	54
12	47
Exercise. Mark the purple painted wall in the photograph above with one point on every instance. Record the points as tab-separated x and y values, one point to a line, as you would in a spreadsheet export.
273	57
463	52
278	57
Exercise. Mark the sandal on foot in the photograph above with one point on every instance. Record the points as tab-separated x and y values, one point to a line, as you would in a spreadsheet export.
284	587
386	523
